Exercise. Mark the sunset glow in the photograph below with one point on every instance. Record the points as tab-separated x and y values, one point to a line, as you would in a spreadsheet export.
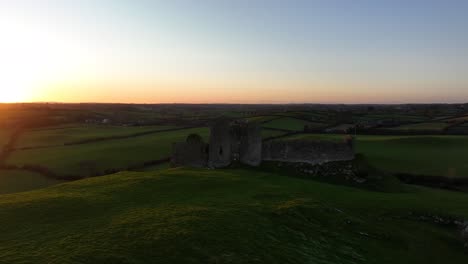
178	51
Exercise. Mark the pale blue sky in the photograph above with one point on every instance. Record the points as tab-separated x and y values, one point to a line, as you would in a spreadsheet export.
241	51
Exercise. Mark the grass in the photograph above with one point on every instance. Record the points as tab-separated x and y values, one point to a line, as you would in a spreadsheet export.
289	123
423	155
96	157
266	133
62	135
12	181
225	216
437	126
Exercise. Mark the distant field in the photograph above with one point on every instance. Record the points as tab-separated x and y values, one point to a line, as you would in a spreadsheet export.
315	116
317	137
20	181
436	126
88	159
4	136
261	119
397	117
426	155
61	135
266	133
459	119
227	216
289	123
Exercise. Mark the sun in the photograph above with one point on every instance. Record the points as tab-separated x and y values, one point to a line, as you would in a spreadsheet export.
12	96
15	87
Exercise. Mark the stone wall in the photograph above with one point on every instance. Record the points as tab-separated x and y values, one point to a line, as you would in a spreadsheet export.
193	152
311	152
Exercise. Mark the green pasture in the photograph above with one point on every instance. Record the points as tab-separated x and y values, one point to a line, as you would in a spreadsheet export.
12	181
226	216
397	117
62	135
96	157
436	126
266	133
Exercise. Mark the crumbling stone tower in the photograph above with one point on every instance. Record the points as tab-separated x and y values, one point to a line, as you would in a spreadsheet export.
220	148
230	141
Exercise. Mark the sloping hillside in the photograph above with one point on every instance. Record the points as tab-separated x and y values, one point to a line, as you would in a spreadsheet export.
226	216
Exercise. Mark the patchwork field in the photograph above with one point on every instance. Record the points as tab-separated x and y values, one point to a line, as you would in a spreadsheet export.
397	117
266	133
96	157
289	123
60	136
424	155
226	216
12	181
435	126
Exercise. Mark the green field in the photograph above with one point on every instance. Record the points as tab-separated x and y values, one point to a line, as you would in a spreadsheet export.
266	133
226	216
317	137
390	116
96	157
289	123
61	135
12	181
437	126
424	155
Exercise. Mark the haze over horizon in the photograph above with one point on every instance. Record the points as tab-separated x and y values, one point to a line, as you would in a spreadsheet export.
234	51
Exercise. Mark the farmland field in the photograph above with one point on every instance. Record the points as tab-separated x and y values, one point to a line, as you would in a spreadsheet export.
436	126
397	117
62	135
289	123
96	157
425	155
123	218
271	133
4	136
12	181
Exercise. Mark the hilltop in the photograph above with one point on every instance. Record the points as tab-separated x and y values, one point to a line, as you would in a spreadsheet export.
228	216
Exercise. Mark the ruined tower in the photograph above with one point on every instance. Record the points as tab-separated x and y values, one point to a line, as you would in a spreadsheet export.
250	146
220	148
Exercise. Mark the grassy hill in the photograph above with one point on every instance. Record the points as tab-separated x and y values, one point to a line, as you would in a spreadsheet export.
226	216
12	181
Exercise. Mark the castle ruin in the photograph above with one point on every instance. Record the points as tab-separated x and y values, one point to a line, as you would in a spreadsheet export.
241	142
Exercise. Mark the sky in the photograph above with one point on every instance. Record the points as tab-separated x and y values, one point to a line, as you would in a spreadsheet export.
239	51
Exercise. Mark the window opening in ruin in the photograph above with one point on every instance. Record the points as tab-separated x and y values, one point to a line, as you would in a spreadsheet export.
221	151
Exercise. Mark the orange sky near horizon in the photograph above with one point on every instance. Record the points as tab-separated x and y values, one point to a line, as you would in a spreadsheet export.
213	52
